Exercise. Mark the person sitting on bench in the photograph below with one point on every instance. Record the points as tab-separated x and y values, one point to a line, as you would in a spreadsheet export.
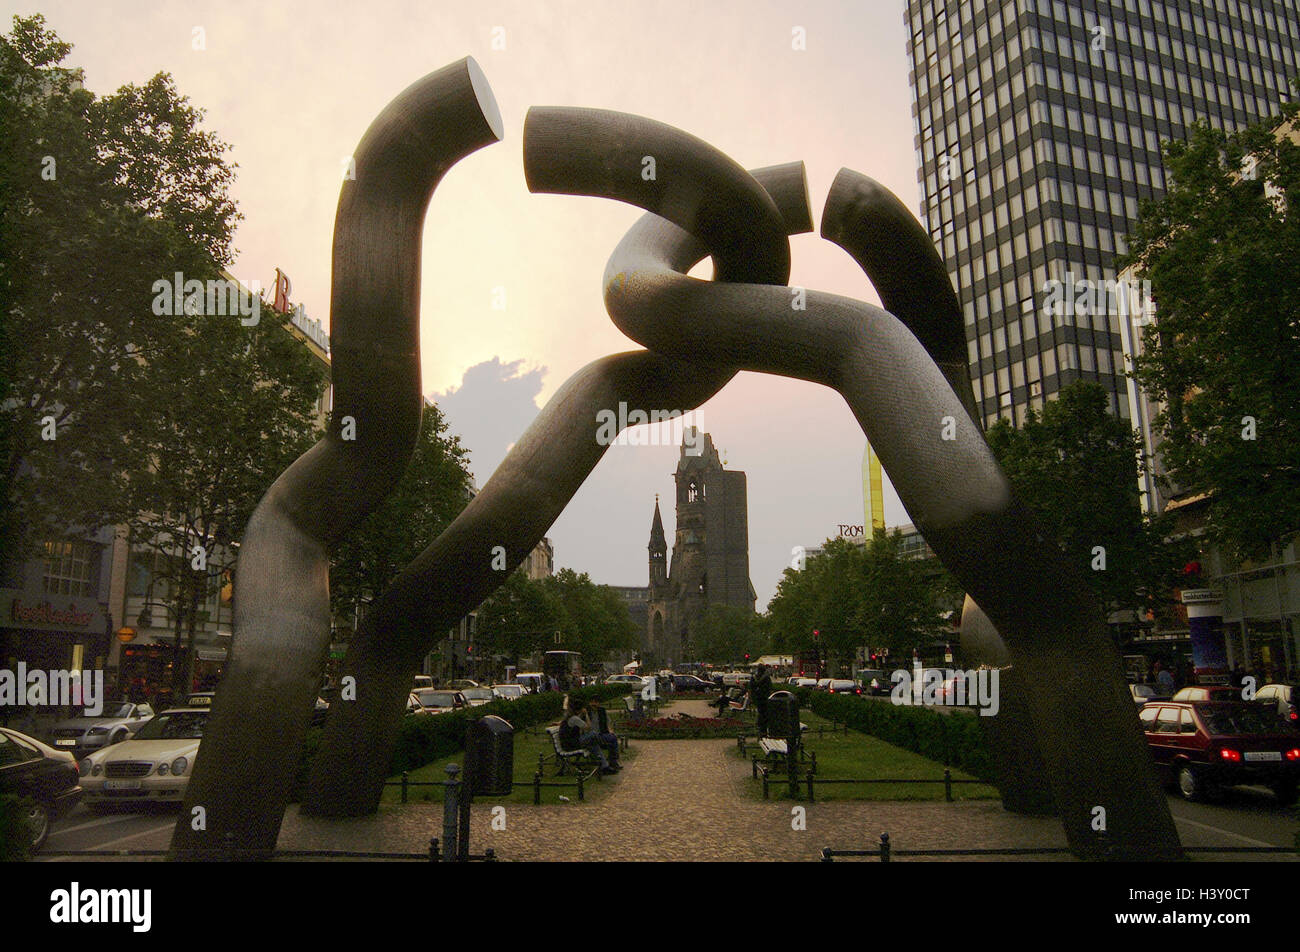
603	744
723	703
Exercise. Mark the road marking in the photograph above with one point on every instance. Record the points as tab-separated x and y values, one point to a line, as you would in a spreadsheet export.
99	821
1216	829
152	831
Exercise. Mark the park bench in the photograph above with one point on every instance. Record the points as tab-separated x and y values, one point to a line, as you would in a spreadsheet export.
740	706
580	757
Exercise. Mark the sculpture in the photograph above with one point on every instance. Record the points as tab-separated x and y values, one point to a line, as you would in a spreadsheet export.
901	369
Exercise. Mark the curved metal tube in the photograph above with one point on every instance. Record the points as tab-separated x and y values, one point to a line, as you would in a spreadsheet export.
240	786
534	483
952	488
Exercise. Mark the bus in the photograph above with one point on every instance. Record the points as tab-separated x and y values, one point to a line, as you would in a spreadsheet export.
565	667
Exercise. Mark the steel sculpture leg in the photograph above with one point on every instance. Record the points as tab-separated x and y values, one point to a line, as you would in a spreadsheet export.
952	488
242	781
876	229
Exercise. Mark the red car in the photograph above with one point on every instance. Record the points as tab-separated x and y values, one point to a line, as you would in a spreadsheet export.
1205	746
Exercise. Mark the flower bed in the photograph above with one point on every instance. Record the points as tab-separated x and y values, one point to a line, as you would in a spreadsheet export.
695	728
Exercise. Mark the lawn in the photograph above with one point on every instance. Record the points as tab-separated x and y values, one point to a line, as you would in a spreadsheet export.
859	756
527	747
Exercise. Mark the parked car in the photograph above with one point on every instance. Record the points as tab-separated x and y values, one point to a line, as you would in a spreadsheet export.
843	686
80	735
152	766
437	701
1144	694
199	699
822	684
1207	692
38	772
531	680
635	680
1283	698
736	679
875	681
508	692
952	693
421	681
1204	746
477	697
689	682
802	682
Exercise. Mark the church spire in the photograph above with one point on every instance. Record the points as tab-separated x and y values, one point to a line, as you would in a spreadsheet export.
657	540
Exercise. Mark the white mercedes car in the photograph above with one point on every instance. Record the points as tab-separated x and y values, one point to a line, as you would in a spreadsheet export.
152	766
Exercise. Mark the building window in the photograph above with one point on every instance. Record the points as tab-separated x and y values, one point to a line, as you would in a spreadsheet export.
70	568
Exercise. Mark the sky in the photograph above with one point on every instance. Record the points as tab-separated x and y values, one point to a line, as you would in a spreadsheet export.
511	282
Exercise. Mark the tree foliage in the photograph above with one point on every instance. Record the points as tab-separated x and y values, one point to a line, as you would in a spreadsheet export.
1077	466
431	493
867	596
99	198
1221	249
725	634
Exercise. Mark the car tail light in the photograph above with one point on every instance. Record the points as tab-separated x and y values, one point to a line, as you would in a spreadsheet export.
1293	753
857	691
1230	755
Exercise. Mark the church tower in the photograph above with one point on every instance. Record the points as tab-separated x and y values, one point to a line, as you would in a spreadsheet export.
710	557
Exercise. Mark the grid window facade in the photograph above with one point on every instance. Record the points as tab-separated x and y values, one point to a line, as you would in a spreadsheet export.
1037	129
71	568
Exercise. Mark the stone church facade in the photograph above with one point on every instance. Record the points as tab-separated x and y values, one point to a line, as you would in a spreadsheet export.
710	552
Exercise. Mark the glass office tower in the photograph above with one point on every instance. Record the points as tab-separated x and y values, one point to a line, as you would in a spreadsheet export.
1038	128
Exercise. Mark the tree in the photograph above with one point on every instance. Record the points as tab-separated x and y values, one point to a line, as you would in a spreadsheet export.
232	407
519	618
859	596
434	489
99	198
725	634
595	621
1224	265
1077	467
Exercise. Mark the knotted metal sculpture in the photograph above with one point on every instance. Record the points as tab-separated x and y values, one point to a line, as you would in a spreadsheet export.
901	369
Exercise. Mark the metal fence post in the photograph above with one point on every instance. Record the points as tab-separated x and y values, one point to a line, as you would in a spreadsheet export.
947	784
884	847
403	786
810	788
537	788
451	811
581	795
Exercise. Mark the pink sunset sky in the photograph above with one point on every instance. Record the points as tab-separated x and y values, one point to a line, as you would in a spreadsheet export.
293	85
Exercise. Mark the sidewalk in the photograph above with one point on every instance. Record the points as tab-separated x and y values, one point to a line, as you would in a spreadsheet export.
684	800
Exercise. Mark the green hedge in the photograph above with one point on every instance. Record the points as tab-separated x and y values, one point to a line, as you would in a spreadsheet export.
424	739
953	739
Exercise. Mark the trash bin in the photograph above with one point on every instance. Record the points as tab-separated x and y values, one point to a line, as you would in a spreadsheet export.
490	756
783	715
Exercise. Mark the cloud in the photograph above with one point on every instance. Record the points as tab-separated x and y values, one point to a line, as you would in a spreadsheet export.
490	410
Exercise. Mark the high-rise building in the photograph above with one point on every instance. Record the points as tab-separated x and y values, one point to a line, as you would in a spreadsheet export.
1038	126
